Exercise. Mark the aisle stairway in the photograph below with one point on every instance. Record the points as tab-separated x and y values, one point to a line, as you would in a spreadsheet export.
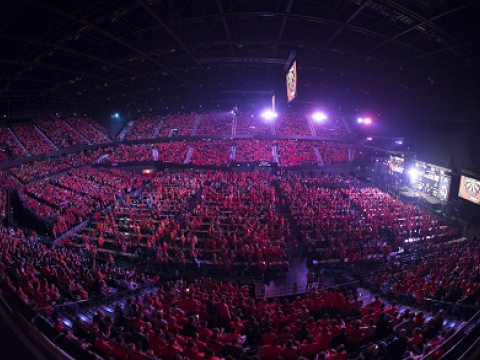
45	137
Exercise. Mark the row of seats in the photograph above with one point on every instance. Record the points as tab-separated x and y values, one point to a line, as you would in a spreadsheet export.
161	224
340	220
46	135
89	129
225	124
60	133
67	199
233	215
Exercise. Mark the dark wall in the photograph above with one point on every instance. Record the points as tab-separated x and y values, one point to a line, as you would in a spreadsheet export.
450	143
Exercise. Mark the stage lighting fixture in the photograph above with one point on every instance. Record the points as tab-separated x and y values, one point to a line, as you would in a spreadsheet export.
366	121
269	115
413	174
116	115
369	138
319	116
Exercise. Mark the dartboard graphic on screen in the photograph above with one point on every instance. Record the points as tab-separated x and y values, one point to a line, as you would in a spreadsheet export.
469	189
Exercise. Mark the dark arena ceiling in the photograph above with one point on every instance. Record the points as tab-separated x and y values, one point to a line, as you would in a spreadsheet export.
95	53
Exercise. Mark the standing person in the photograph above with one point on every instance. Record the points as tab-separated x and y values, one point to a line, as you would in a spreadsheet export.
310	279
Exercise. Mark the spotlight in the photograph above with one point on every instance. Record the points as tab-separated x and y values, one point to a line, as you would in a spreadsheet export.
366	121
116	115
369	138
269	115
319	116
413	173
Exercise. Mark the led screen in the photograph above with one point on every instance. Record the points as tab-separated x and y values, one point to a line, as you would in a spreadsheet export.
396	164
469	189
292	82
432	180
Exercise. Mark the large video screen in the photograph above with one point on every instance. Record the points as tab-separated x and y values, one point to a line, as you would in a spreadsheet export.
292	82
432	180
469	189
396	164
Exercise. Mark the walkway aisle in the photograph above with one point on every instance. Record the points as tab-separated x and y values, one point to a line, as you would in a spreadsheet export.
298	264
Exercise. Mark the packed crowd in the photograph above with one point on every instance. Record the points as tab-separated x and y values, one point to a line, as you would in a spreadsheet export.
7	182
211	152
214	124
239	211
35	170
450	275
207	319
331	128
223	219
296	152
163	151
131	152
333	152
34	143
143	223
292	124
144	128
183	122
249	124
69	198
48	276
60	133
9	146
232	225
91	130
345	222
253	150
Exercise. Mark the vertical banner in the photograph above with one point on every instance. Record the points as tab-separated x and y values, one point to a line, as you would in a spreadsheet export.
155	154
351	155
292	82
320	160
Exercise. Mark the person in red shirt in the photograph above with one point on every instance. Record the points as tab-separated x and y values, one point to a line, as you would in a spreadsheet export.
356	334
190	305
271	352
269	336
191	352
324	340
210	355
416	341
223	313
338	300
102	346
203	331
308	348
237	324
289	352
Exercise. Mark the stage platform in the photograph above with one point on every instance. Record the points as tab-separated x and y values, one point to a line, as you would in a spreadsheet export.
409	194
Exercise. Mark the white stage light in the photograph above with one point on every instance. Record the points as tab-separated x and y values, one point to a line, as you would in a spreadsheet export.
269	115
413	174
367	121
319	116
360	120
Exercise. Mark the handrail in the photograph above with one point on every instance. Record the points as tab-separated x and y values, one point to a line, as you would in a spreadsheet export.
454	338
301	289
